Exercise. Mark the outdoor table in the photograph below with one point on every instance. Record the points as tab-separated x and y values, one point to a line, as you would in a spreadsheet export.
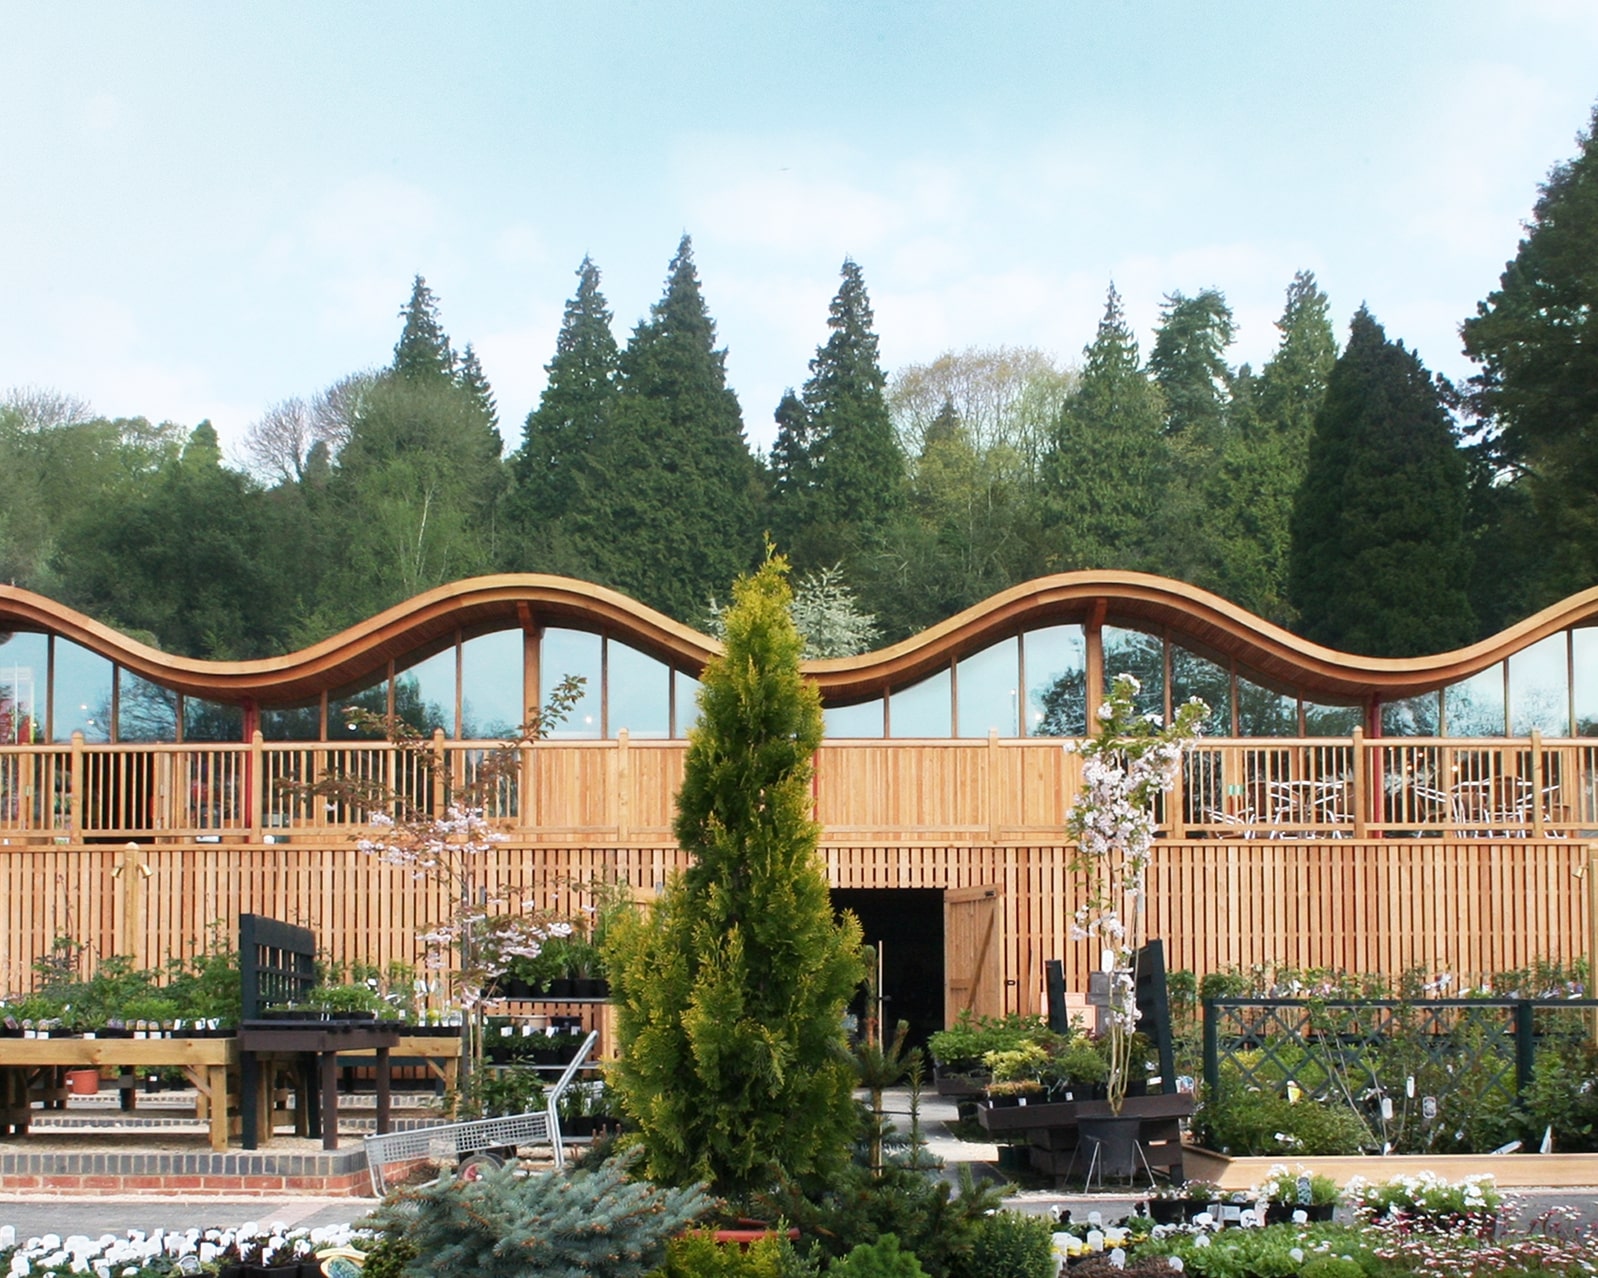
314	1048
205	1062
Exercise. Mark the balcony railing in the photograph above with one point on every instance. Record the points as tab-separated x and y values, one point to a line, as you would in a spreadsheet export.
884	791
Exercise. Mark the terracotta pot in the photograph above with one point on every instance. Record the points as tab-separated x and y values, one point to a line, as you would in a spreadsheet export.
83	1082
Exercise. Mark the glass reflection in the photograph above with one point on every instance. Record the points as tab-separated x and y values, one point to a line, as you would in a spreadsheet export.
145	711
292	723
1474	707
1264	713
685	702
494	703
987	686
1332	721
24	687
82	693
1539	688
371	697
1136	653
862	720
1584	654
1057	681
639	689
1413	717
1196	676
424	694
211	721
923	709
574	652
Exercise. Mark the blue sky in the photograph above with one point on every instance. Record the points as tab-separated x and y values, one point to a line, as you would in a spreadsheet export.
208	208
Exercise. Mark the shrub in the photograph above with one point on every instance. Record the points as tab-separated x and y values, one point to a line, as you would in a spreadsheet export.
697	1254
881	1259
1010	1244
1243	1121
506	1225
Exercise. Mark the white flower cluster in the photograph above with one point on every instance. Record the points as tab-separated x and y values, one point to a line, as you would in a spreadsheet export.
430	848
188	1251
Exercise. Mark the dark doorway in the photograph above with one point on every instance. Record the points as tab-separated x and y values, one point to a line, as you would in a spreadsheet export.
906	927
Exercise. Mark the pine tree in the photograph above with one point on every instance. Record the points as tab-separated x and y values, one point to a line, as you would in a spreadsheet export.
471	379
1188	363
793	472
849	448
423	349
1536	339
730	994
1379	562
665	503
1107	474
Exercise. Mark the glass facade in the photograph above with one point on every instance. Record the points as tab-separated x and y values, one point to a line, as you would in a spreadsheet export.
1030	684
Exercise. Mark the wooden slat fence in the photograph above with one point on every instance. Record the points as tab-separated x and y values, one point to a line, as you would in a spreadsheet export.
1468	907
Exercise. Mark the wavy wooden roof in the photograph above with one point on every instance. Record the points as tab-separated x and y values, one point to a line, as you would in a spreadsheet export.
1194	617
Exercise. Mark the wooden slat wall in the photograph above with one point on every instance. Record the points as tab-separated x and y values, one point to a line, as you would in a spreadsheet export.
1470	908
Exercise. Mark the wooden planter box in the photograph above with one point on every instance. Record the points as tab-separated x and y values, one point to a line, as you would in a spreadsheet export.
1509	1171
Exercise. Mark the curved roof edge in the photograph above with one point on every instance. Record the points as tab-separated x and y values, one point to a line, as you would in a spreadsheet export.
1195	616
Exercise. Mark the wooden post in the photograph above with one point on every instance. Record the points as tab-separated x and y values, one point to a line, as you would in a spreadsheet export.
993	784
1536	783
440	762
257	783
75	793
132	871
624	802
1361	782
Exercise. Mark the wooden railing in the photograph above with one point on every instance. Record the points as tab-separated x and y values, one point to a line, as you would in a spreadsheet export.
620	792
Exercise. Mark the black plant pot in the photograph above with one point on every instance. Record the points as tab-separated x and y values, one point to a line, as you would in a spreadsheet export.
561	988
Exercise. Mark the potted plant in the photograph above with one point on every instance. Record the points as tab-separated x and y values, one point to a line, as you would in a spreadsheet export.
1288	1191
1076	1070
1177	1204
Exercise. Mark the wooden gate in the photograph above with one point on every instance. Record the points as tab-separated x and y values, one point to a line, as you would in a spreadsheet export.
973	953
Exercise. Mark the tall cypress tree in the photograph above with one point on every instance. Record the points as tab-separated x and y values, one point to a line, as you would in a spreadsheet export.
561	432
730	994
1188	363
848	450
666	503
1107	473
1379	562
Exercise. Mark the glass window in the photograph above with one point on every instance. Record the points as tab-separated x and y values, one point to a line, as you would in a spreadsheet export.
923	709
987	686
639	689
24	686
1057	681
424	694
145	711
1474	707
1264	713
685	698
1143	655
1413	717
372	698
494	700
211	720
292	723
1332	721
1584	655
1196	676
863	720
82	693
574	652
1539	688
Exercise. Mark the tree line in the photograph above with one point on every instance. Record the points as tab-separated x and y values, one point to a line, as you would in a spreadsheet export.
1345	492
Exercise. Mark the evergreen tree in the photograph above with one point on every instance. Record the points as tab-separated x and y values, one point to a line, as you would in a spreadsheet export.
849	449
567	424
1251	485
474	382
1379	562
1109	469
793	472
1188	363
1536	339
423	349
730	993
666	498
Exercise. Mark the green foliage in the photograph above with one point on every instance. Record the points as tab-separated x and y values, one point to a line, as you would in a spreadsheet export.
697	1254
1188	362
1379	561
972	1037
423	350
546	1225
880	1259
730	992
1241	1120
1009	1244
490	1091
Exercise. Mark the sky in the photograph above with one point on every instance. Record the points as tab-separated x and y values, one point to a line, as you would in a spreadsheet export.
206	209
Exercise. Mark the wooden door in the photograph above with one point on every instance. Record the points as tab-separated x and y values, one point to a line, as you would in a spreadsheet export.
972	953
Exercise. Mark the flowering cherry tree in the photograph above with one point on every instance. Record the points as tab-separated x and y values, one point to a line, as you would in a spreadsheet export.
1126	765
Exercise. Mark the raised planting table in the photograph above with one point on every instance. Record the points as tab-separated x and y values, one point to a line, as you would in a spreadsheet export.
312	1048
24	1063
1054	1130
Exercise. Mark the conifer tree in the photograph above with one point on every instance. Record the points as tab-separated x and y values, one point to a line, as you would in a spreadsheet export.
849	449
793	472
1108	471
1379	562
474	382
665	508
560	433
730	992
423	349
1188	363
